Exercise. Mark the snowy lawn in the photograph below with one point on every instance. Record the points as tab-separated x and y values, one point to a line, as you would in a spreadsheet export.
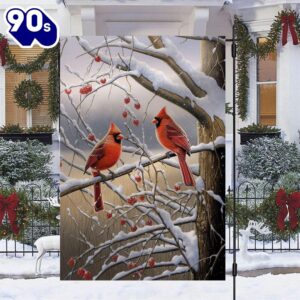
24	265
276	260
266	287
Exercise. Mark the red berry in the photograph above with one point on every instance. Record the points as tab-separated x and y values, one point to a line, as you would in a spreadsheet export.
131	265
68	91
80	272
97	58
114	258
91	137
133	228
132	200
122	222
137	178
103	80
136	122
177	187
142	198
151	262
71	262
127	100
137	105
149	222
109	215
87	275
125	114
86	89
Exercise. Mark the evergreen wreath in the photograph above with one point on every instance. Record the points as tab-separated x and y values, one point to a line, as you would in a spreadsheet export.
247	48
28	94
50	55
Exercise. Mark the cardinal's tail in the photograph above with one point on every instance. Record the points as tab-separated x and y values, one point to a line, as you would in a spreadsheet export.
186	173
97	195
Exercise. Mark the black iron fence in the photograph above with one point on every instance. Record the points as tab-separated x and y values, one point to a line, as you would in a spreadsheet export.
40	199
251	196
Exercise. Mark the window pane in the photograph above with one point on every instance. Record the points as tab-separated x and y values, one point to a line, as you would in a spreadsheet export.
267	104
266	68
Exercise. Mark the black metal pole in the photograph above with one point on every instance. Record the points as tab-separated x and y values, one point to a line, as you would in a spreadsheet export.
233	54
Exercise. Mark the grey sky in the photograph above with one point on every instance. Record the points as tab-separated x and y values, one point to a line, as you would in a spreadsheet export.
108	104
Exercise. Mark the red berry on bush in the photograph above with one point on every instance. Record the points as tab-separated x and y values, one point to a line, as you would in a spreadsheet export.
136	122
114	258
68	91
133	228
142	198
149	222
132	200
177	187
122	222
125	114
137	178
87	275
151	262
127	100
71	262
97	58
103	80
91	137
137	105
86	89
109	215
132	265
80	272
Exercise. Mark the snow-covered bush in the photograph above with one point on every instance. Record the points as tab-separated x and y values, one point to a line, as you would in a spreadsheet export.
268	159
21	161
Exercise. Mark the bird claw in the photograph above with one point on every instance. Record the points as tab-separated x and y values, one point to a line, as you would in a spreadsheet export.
169	154
111	173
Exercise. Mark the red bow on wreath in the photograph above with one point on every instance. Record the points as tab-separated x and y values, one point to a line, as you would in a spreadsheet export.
288	22
9	205
287	204
3	45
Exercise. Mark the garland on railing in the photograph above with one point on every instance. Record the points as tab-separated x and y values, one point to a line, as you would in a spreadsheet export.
247	48
48	55
20	213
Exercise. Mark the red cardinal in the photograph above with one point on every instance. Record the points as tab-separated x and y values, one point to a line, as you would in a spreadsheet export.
172	136
104	155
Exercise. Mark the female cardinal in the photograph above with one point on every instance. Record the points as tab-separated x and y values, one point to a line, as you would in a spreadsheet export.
104	155
172	136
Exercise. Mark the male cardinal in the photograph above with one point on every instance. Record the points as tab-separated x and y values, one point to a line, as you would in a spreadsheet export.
172	136
104	155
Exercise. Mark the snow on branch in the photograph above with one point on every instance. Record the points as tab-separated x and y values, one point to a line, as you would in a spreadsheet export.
73	185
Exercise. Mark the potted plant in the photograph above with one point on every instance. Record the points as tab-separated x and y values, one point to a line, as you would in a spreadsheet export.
255	131
14	132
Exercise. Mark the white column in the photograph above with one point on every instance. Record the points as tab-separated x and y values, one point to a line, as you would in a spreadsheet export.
198	21
288	91
2	96
88	19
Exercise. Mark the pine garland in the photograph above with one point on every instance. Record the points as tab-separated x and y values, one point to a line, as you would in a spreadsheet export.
247	48
48	55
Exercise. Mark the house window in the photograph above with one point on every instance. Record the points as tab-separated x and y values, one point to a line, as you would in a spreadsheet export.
266	87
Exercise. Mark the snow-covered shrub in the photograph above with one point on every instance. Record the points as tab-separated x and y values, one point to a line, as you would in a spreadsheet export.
21	161
268	159
290	182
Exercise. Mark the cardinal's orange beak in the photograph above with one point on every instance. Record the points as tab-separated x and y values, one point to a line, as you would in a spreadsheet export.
120	137
154	121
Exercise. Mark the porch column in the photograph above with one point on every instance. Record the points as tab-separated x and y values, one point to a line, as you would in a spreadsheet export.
198	21
88	19
288	92
2	96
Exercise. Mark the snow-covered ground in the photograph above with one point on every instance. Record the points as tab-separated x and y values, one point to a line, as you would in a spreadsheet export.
24	265
266	287
274	260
